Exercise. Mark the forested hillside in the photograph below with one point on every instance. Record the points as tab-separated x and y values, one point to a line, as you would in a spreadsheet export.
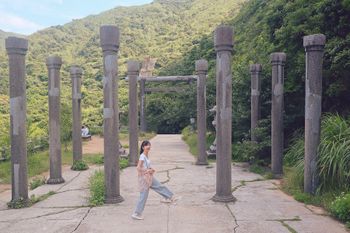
166	30
179	32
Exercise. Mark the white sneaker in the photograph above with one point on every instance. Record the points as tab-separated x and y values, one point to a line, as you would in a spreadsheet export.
171	200
175	198
136	216
166	200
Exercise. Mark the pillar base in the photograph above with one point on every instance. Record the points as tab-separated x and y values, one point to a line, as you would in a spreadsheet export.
114	200
55	181
278	176
202	163
19	203
229	198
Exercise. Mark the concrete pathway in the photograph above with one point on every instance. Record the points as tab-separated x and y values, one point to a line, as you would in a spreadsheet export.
260	205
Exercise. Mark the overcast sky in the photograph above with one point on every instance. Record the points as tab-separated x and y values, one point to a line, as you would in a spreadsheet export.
28	16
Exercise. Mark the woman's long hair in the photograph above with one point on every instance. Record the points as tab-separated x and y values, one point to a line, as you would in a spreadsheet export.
143	144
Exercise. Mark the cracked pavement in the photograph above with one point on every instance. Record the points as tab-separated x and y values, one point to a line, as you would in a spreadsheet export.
260	206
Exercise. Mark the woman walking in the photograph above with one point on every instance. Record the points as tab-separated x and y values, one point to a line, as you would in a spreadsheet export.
147	181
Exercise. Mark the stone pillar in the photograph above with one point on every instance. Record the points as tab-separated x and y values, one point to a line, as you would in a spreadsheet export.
133	70
109	37
255	71
76	73
143	125
54	64
16	50
278	61
314	46
201	69
223	41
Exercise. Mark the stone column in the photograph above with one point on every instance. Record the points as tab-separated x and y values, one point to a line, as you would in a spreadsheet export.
54	64
76	73
16	50
255	71
109	37
278	61
201	69
143	125
314	46
133	70
223	41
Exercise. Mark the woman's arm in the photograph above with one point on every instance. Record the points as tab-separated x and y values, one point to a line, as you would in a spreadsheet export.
140	166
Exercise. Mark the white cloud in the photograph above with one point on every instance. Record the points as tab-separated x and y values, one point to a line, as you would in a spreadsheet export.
14	23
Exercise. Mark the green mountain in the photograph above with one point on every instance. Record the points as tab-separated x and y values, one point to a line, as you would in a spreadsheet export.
163	29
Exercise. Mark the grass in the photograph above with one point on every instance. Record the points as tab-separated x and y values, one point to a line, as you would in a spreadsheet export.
292	185
97	189
93	159
20	203
37	164
96	185
36	182
334	154
333	168
190	137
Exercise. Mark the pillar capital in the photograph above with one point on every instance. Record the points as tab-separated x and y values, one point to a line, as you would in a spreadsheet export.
109	38
278	58
223	38
255	68
76	71
202	66
54	62
314	42
16	45
133	67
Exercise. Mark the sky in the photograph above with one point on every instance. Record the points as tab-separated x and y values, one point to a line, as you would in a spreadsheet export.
28	16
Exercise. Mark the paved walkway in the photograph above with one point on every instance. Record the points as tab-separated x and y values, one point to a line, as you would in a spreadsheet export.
260	206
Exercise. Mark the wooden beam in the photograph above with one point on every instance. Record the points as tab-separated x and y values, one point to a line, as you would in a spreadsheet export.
170	78
164	90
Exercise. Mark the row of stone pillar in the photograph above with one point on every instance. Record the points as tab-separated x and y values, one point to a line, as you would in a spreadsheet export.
314	46
16	50
109	37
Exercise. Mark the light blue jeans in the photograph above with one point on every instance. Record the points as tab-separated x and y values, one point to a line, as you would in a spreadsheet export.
156	186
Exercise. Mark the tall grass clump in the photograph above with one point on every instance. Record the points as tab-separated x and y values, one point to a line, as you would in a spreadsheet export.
333	152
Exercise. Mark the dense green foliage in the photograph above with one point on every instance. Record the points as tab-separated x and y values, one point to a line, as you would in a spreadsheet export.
163	29
334	154
190	137
177	33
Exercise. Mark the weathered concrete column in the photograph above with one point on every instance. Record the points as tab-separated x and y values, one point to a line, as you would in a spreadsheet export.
143	124
255	71
223	41
278	61
76	74
201	69
109	37
54	64
133	70
314	46
16	50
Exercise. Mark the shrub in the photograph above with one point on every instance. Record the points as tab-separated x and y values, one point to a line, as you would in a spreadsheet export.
340	207
79	165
